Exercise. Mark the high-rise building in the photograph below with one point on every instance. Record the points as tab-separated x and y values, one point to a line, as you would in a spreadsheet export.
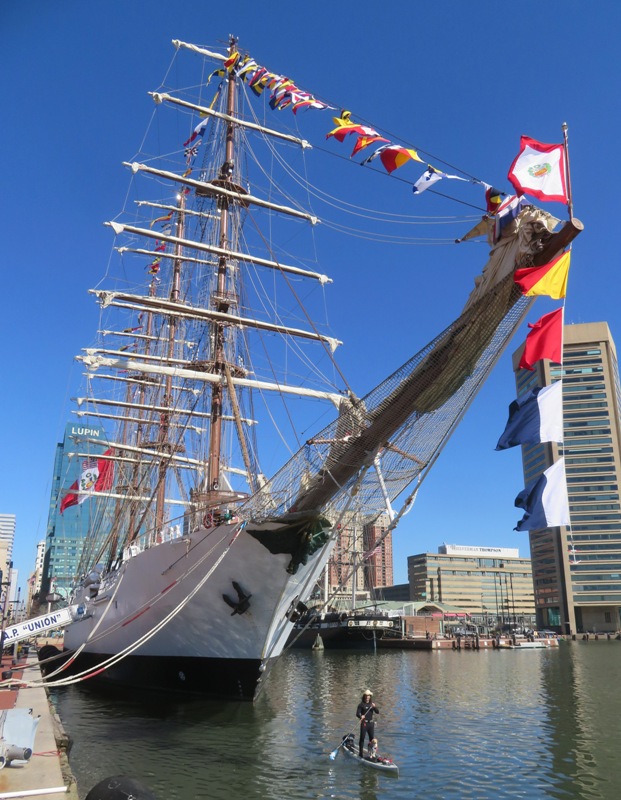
378	571
7	539
34	581
492	584
577	569
38	573
360	563
66	532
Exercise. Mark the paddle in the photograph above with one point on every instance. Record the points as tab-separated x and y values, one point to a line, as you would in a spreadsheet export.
335	752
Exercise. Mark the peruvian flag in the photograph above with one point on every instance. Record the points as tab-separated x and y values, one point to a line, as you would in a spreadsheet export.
97	476
539	170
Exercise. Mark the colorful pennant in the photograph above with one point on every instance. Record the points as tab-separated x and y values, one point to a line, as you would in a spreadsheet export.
550	279
165	218
284	91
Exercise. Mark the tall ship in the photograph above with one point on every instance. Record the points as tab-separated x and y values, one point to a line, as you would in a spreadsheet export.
207	533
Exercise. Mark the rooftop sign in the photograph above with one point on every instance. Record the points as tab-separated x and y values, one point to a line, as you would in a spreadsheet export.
466	550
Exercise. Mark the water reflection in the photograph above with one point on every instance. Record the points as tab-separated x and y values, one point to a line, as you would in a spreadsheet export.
584	710
535	724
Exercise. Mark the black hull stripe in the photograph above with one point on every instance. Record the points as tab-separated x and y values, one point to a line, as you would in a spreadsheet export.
218	678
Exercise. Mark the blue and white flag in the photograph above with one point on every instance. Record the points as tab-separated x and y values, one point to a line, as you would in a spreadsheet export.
545	500
536	417
426	180
430	176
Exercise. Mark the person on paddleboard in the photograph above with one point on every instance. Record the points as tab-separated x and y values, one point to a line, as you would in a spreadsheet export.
364	712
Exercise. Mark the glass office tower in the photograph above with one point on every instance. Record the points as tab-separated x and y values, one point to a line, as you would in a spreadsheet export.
66	532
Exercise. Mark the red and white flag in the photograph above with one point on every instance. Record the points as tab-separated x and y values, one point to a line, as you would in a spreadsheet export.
97	476
539	170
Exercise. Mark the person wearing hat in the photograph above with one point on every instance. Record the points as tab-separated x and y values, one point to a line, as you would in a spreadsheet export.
364	712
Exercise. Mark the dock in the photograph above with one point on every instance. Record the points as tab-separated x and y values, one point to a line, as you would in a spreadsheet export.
46	773
463	643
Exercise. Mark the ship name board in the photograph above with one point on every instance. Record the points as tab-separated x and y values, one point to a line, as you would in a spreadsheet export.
37	625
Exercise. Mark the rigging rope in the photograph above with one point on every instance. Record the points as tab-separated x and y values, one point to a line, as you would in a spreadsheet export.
115	659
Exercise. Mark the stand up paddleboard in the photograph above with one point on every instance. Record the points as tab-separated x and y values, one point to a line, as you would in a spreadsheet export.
375	762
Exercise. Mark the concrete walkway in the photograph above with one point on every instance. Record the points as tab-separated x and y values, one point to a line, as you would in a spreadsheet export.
48	768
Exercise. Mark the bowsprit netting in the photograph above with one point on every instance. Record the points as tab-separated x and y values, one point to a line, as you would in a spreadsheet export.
381	443
397	430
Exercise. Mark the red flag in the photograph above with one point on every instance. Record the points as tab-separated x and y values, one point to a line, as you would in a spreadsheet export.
106	473
97	476
71	498
545	340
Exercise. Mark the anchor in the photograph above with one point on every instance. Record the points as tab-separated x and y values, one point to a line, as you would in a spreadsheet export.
242	604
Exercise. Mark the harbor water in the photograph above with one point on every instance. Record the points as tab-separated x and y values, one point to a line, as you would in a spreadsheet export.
494	724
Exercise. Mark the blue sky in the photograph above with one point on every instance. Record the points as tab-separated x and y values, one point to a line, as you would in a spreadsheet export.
460	81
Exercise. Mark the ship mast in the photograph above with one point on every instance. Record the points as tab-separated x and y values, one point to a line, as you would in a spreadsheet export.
221	300
161	415
134	529
164	444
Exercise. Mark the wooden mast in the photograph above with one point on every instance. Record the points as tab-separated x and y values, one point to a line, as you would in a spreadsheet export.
134	529
165	446
221	300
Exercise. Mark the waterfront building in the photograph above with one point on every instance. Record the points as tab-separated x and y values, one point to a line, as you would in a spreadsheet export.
38	571
378	554
492	584
359	564
398	592
66	532
7	539
577	569
34	581
9	575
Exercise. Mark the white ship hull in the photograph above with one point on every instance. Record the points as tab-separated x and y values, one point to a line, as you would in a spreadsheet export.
205	646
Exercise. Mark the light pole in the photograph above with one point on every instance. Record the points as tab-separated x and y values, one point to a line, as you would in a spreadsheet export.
483	614
15	619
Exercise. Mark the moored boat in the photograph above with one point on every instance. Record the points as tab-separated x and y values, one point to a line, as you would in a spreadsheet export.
358	629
